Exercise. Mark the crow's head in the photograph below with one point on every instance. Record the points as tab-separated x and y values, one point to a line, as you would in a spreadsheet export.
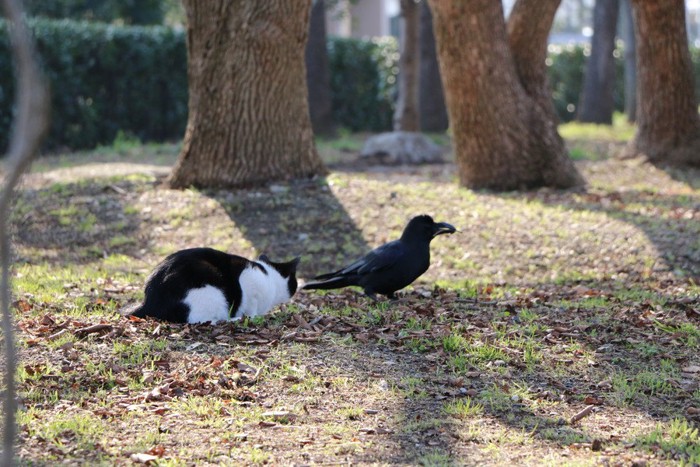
425	228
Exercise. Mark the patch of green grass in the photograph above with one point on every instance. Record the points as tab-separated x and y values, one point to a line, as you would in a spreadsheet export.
648	349
139	353
464	408
621	130
344	140
45	282
308	384
678	440
639	295
435	458
496	399
81	430
586	303
625	390
416	324
258	456
411	387
62	340
454	343
350	413
580	154
653	383
120	240
466	354
148	439
688	333
415	425
563	435
628	389
206	408
420	344
35	372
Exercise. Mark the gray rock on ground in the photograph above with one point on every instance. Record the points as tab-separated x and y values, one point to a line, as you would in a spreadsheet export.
402	147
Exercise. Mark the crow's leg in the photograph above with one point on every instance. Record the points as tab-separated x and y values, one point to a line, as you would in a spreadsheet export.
370	294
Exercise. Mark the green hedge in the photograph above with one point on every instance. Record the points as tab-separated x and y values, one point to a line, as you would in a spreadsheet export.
107	79
104	79
363	82
565	68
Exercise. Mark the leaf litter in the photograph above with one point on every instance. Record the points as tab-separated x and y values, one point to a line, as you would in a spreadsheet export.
557	327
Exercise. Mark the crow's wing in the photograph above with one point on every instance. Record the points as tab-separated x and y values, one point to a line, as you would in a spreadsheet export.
380	258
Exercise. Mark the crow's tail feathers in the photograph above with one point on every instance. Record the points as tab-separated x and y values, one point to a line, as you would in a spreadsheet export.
329	275
330	283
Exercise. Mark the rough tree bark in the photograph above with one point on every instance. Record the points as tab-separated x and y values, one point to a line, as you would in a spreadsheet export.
627	33
596	103
501	113
668	127
431	98
318	73
31	124
406	114
248	118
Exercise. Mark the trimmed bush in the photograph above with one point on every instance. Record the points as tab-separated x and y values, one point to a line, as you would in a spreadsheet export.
104	79
363	82
565	68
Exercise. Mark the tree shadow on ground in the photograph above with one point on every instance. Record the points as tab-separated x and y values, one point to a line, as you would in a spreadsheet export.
687	175
536	366
297	219
400	349
78	221
388	381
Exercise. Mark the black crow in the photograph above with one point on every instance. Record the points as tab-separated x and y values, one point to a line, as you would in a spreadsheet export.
392	266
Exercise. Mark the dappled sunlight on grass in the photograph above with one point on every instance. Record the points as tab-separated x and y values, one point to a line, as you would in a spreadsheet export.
543	304
621	130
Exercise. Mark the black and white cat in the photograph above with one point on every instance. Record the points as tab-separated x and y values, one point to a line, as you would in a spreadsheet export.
203	284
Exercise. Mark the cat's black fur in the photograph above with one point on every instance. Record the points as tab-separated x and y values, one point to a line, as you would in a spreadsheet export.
195	268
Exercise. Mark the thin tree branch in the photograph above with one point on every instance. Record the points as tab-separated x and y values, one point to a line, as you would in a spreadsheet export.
30	126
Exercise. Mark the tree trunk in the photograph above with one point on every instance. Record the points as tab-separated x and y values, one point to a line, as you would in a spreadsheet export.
597	102
668	127
248	114
627	33
318	74
501	114
433	113
406	114
31	123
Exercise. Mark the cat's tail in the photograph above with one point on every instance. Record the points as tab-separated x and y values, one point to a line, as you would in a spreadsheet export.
136	310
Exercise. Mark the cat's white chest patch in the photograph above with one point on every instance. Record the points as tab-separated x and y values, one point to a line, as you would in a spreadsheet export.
260	291
207	303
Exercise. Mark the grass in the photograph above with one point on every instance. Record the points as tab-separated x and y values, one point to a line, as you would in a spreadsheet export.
621	130
543	303
464	408
678	439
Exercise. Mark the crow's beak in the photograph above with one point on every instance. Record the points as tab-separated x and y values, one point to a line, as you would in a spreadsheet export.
443	228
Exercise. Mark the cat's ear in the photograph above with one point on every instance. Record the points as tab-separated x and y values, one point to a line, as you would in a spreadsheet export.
264	259
288	268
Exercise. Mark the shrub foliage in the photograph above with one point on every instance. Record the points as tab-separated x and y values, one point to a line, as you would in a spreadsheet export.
108	79
104	79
